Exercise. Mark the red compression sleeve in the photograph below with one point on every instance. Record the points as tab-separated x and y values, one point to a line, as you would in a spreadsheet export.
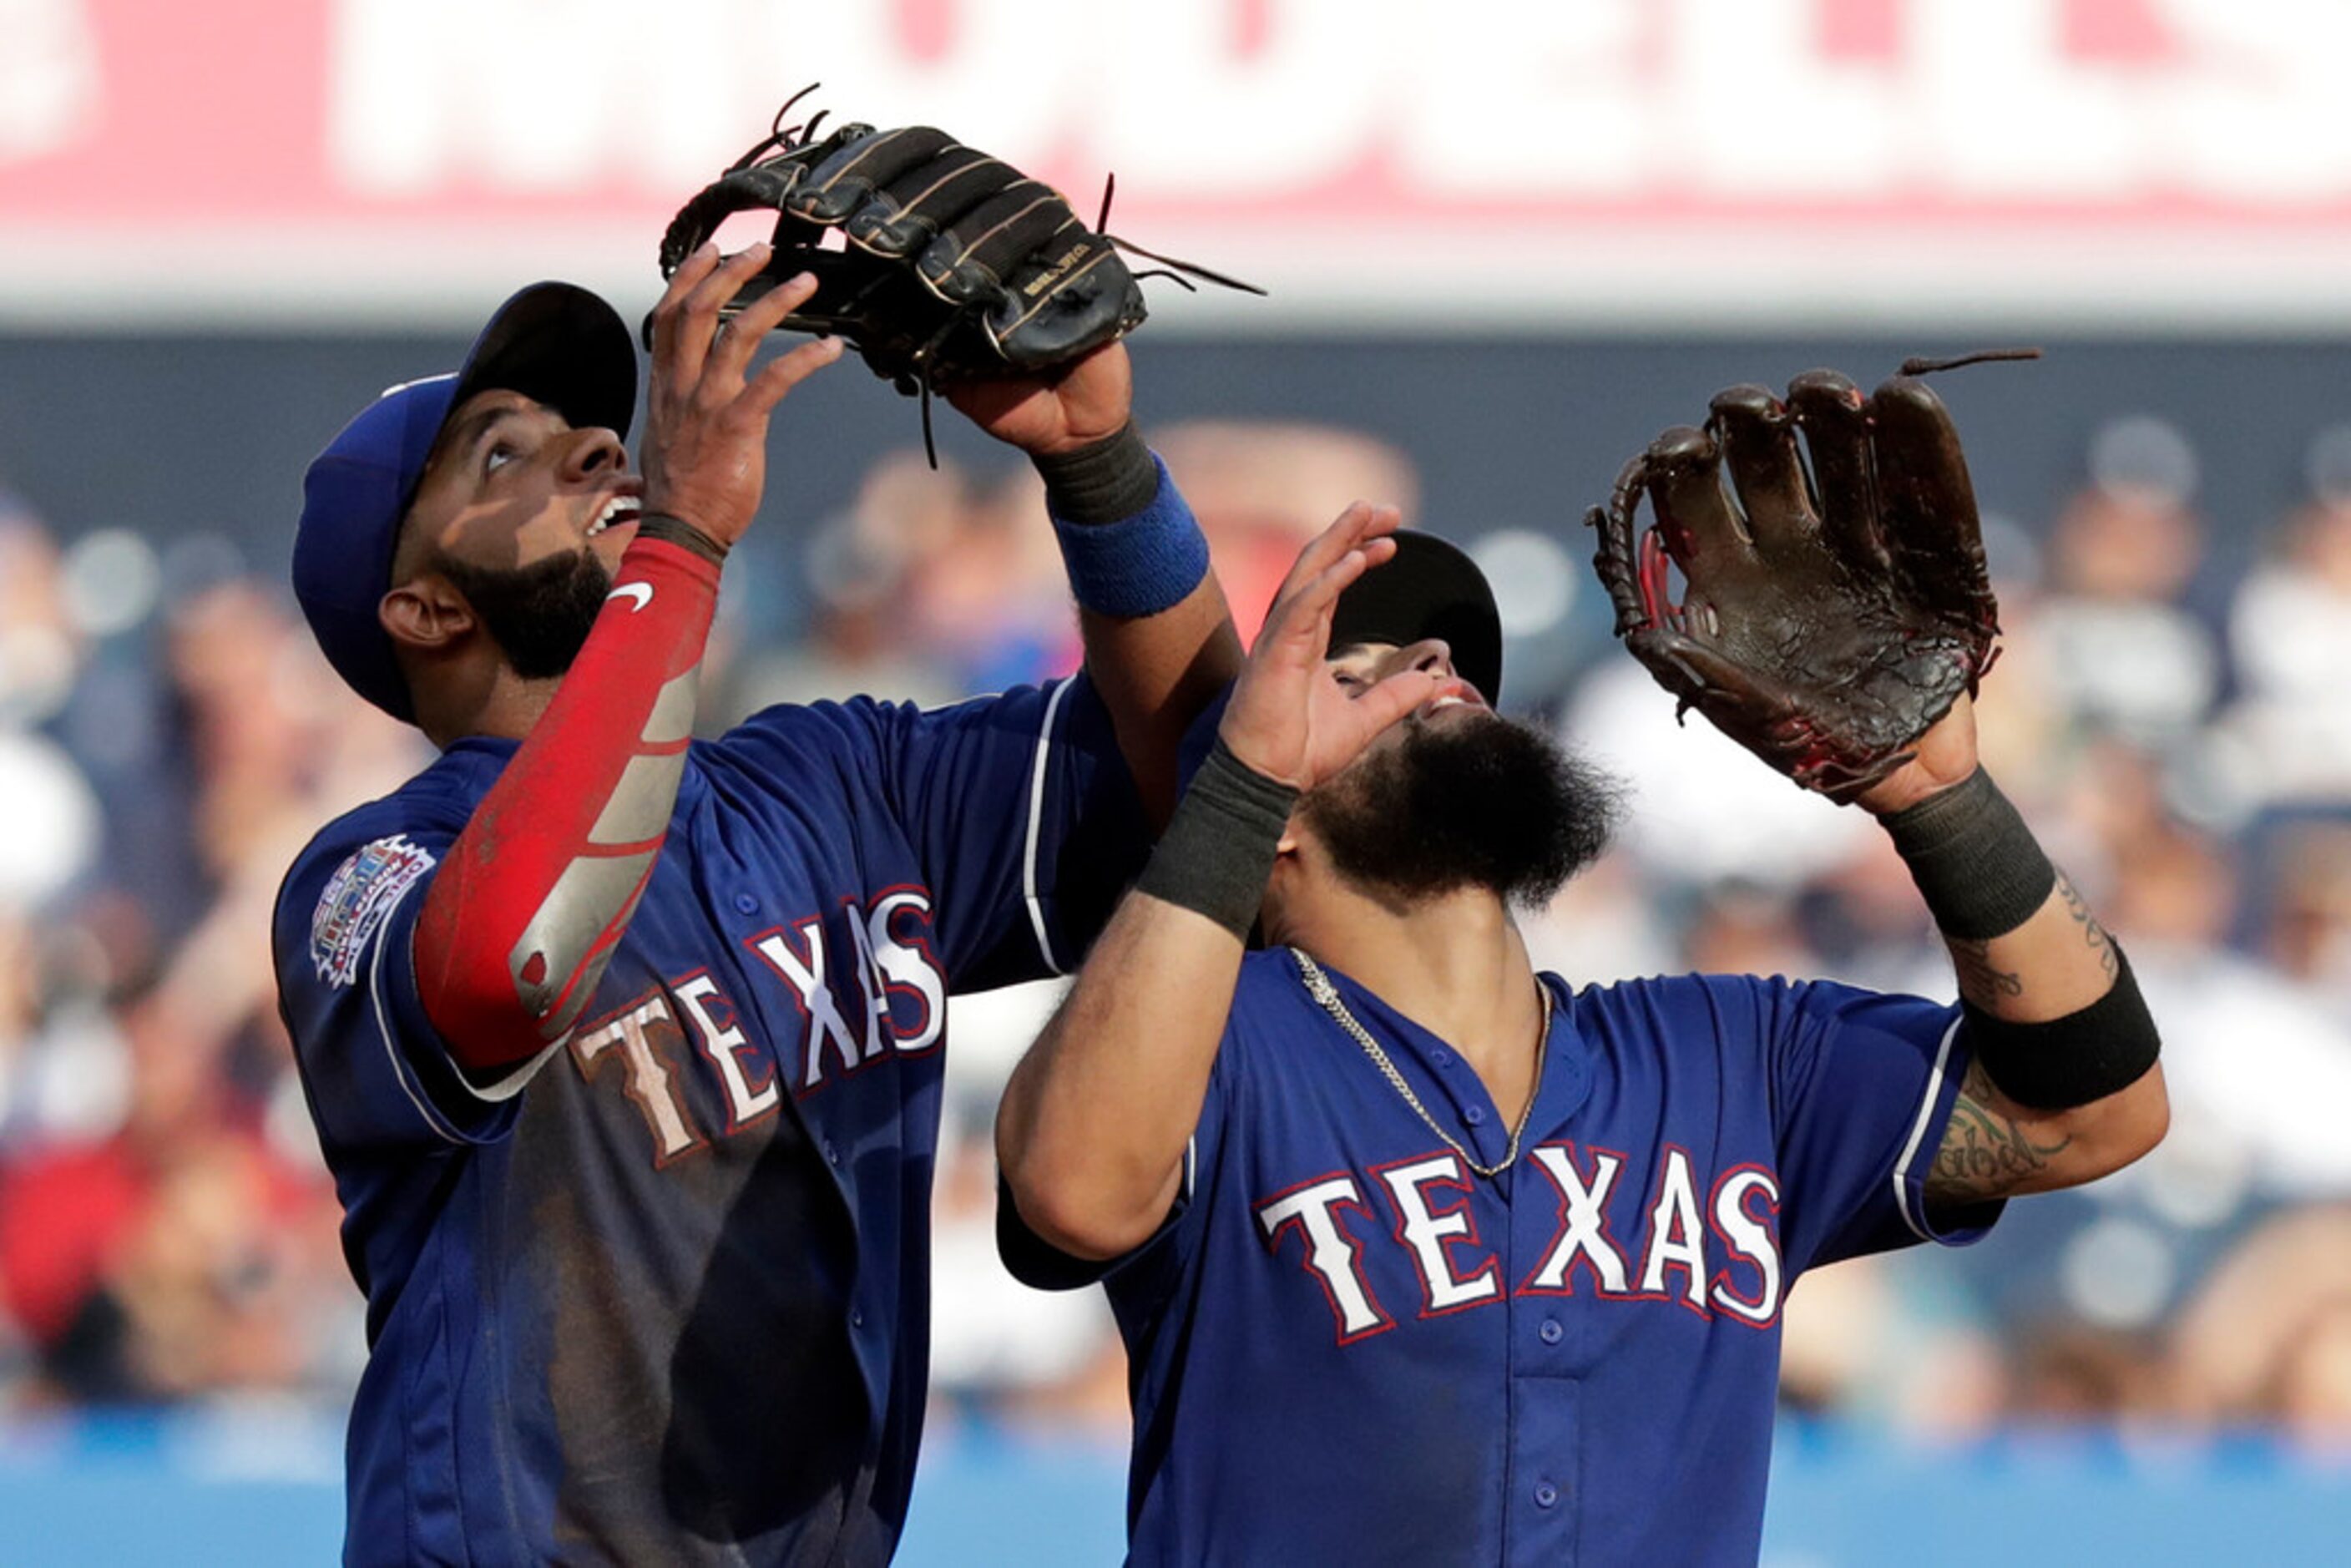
518	926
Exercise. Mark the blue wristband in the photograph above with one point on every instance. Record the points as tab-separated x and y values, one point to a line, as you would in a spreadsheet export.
1139	565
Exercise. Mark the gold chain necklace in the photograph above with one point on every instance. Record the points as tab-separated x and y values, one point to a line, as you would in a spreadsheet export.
1318	986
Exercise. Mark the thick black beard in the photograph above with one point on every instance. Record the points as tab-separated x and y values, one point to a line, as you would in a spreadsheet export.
1471	801
539	615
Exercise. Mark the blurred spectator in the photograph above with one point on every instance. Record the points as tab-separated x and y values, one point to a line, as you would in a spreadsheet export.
40	647
1604	924
2235	1030
999	1350
1738	929
2268	1340
1262	490
2123	656
866	632
2068	1372
1862	1339
161	1236
2307	933
1702	808
991	595
53	829
182	1255
2290	630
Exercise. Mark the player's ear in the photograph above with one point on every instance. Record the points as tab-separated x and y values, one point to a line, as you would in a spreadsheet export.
425	612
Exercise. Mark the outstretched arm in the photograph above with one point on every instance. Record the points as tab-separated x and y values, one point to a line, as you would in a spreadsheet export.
1841	602
1091	1128
518	925
1159	640
2063	1086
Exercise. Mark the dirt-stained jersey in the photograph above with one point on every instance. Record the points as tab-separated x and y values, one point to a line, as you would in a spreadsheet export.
661	1297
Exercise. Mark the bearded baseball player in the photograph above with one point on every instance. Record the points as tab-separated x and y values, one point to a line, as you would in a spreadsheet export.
1421	1256
626	1047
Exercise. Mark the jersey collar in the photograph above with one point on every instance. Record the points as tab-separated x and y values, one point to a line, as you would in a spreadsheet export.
1435	1065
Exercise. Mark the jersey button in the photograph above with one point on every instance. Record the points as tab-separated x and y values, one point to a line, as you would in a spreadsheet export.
856	1318
1442	1057
1475	1115
748	905
1551	1331
832	1154
1546	1495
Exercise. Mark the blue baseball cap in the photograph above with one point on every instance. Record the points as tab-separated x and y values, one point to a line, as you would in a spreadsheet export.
553	342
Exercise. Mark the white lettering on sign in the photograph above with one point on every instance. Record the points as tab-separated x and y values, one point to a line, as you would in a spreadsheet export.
1761	111
1015	75
1561	110
2259	119
1524	104
2063	127
1214	111
525	97
48	77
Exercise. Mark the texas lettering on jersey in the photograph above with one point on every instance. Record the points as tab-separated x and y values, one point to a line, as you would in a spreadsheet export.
1713	1249
888	966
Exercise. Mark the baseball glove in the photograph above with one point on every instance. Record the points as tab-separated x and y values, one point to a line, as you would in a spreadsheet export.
1828	616
951	264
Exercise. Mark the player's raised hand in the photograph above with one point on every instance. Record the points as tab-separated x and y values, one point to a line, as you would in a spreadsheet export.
1943	757
705	445
1288	719
1054	410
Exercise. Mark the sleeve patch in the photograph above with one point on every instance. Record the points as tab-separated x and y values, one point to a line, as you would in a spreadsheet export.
362	892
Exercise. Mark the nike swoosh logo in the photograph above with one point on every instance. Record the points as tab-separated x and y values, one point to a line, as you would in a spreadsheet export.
639	594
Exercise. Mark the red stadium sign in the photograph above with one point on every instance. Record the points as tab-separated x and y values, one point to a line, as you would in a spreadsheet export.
1650	161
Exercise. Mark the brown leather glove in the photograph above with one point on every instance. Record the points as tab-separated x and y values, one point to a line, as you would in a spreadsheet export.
1830	611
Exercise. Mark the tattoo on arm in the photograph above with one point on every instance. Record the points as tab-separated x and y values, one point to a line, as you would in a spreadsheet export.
2093	933
1985	1153
1987	985
1980	981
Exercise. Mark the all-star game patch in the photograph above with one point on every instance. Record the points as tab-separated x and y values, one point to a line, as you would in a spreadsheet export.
363	890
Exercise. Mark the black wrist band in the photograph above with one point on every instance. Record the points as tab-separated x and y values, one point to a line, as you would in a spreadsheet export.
679	532
1111	479
2063	1063
1219	847
1977	866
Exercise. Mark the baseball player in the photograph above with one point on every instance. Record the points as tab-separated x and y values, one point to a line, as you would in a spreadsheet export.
624	1048
1421	1256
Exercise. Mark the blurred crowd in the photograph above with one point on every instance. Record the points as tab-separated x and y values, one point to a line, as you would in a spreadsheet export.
169	737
